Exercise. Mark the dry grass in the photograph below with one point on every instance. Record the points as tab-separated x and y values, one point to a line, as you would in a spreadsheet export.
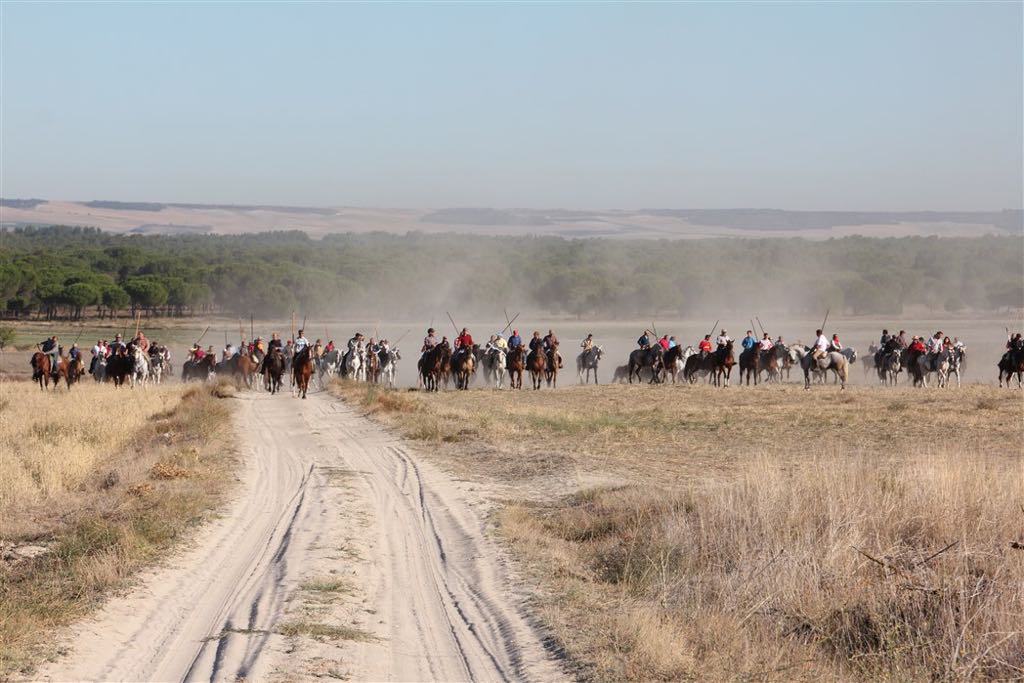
755	534
106	480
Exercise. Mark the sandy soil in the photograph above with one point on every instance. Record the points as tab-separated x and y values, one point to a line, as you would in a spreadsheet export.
418	589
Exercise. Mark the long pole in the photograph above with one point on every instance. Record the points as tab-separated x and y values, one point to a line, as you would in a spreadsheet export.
138	317
204	334
759	324
654	328
252	333
395	343
713	328
509	322
453	323
241	331
293	326
825	320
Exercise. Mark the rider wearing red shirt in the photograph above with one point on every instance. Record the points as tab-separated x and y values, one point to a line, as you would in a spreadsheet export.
705	344
464	340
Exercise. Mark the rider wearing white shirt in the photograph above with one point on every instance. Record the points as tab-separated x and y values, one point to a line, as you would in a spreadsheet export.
767	344
821	344
723	339
301	343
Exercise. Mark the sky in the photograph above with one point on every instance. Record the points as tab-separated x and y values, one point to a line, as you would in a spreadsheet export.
803	106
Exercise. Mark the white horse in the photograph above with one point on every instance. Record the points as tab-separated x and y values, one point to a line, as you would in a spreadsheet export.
677	369
389	366
891	365
939	364
328	365
355	363
956	359
833	360
587	362
99	371
494	366
140	368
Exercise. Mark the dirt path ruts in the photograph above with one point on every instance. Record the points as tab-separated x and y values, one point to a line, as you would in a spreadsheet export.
433	591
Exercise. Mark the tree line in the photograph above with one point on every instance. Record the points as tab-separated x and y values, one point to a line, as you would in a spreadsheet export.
61	272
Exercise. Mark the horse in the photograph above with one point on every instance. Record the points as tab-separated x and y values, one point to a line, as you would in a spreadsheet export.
140	367
620	374
371	364
463	363
699	363
99	368
537	364
76	368
956	362
674	362
890	367
245	366
41	369
200	369
750	364
431	364
302	370
551	374
651	357
493	362
1012	363
120	365
328	365
938	363
724	362
389	366
273	370
515	363
833	360
587	362
156	367
769	361
355	363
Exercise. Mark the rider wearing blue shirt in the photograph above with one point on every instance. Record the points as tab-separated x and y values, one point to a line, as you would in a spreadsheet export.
750	341
515	340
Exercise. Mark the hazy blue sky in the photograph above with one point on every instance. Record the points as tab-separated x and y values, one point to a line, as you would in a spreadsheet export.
800	106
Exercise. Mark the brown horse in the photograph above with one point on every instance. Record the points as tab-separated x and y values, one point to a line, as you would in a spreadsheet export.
652	358
463	363
41	369
537	364
431	366
770	365
750	365
372	367
724	363
76	369
515	363
1011	363
551	374
273	369
245	367
302	370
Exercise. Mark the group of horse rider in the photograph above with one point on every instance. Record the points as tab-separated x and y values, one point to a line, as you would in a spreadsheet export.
464	343
102	350
934	346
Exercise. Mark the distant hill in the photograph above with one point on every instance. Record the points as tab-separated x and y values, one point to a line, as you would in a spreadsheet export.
233	219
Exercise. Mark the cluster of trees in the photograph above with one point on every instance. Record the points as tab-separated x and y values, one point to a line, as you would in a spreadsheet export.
75	272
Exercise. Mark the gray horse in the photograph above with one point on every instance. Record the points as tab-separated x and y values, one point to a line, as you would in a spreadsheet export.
587	362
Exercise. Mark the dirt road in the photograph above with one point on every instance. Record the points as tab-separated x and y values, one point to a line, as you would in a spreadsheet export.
343	555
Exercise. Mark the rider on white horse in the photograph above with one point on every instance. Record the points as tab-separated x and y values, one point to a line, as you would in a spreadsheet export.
821	345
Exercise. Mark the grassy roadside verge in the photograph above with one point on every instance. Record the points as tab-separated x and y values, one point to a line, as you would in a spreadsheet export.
752	534
94	485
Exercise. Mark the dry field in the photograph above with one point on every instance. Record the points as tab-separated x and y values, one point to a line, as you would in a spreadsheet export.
770	533
95	484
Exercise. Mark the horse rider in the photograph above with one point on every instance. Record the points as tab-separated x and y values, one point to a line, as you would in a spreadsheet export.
50	347
934	347
821	345
1014	346
916	345
672	343
98	351
515	341
489	346
330	346
588	343
429	342
766	343
901	339
74	352
463	343
500	343
704	346
957	344
229	351
663	343
723	339
117	344
536	343
884	339
835	344
750	341
550	342
141	341
318	350
300	344
373	346
644	342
